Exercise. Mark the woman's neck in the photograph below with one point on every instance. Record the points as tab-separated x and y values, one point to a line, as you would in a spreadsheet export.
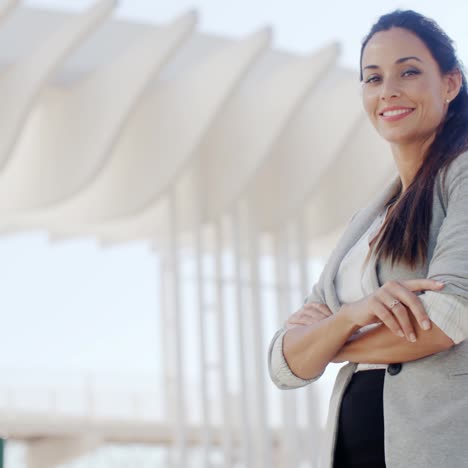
408	159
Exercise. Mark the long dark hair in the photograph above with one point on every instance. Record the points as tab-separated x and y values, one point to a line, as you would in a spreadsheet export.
404	237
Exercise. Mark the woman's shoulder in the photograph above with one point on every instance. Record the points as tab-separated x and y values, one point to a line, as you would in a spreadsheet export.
455	174
460	163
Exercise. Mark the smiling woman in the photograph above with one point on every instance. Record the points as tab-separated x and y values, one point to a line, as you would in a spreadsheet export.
411	87
393	298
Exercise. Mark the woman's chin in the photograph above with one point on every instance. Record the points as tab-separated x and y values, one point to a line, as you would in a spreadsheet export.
397	138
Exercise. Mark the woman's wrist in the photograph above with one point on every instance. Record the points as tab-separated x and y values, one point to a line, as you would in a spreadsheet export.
344	314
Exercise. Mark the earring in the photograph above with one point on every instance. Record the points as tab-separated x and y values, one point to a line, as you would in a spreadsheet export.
447	100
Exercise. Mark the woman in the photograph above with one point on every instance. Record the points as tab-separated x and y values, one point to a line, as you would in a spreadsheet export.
393	297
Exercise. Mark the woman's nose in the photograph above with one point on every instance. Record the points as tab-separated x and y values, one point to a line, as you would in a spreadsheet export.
389	90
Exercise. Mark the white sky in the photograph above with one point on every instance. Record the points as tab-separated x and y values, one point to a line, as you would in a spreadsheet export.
298	25
71	305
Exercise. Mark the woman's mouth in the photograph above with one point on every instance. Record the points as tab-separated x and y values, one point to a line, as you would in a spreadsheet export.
395	113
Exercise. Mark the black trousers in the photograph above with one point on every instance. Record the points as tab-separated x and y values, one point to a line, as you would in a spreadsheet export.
360	437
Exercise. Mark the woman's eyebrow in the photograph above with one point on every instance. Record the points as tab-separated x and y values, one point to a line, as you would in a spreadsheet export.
400	60
404	59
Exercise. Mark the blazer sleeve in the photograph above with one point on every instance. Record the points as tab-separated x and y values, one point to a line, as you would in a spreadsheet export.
279	371
448	308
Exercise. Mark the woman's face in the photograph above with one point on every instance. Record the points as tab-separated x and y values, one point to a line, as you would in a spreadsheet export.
404	92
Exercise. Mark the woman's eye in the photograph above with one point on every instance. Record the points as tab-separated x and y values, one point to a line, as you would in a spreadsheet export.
410	72
372	79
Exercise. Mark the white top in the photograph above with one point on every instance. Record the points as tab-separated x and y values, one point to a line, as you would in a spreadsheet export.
352	283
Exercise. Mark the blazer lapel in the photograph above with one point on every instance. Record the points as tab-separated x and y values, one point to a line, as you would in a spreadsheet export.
356	229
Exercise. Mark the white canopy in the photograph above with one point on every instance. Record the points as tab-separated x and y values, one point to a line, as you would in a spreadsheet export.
102	120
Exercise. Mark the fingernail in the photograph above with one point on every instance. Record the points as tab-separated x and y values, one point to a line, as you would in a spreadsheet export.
440	283
400	334
412	337
426	325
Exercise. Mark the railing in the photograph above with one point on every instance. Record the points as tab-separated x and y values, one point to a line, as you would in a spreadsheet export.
90	395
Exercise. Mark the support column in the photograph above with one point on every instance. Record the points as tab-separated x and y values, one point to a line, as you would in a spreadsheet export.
227	428
289	432
245	449
179	413
206	427
256	322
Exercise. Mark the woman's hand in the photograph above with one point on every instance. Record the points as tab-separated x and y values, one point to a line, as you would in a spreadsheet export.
308	314
392	305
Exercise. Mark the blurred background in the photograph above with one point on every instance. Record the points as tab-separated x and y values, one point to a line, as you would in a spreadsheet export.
173	176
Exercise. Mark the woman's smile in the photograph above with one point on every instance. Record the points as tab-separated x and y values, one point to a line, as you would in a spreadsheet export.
391	114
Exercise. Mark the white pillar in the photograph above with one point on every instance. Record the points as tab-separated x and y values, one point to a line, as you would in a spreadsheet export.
202	343
288	435
165	394
257	347
179	454
246	433
227	429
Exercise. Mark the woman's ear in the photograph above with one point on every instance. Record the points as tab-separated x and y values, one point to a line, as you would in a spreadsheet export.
454	84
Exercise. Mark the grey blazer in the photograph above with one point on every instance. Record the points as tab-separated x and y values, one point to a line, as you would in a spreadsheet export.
425	401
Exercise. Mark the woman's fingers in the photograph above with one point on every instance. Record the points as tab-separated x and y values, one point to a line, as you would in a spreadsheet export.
321	307
412	302
402	315
422	284
386	317
415	303
407	302
308	315
398	310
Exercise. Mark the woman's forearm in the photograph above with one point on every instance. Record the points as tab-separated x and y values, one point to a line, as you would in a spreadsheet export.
309	349
382	346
